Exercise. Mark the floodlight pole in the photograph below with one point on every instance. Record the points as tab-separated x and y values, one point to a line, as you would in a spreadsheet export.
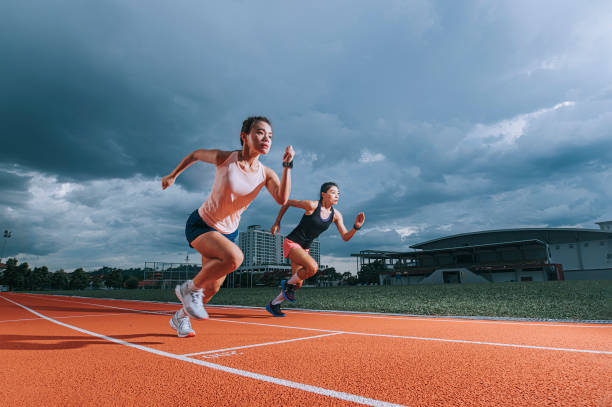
7	235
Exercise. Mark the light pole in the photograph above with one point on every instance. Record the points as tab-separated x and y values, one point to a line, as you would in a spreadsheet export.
7	235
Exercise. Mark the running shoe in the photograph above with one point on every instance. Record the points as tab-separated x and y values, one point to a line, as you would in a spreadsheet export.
274	310
191	300
182	326
288	291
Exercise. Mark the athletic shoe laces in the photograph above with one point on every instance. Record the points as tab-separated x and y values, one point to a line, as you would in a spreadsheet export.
185	325
196	295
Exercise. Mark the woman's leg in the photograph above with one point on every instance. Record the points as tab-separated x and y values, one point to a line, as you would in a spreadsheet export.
305	266
220	256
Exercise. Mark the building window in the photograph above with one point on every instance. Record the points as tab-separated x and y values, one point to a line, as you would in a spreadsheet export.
557	247
602	243
586	245
571	246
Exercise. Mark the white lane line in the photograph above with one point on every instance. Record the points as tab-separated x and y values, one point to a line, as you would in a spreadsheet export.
419	338
458	320
65	317
162	312
373	315
406	337
287	383
262	344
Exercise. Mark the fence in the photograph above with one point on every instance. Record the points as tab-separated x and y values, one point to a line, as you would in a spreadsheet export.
161	275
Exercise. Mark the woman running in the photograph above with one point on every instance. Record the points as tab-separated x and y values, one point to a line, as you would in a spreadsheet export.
319	215
212	229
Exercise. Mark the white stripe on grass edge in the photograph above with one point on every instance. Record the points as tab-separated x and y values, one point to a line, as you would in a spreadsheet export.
287	383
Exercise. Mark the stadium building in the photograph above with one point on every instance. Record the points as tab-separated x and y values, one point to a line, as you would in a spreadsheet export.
531	254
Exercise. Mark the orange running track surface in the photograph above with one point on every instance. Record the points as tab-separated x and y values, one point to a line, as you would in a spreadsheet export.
68	351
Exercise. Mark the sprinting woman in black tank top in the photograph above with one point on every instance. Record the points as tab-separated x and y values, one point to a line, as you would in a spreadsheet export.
318	217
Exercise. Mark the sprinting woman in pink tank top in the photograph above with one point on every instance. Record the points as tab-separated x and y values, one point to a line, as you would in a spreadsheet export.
212	229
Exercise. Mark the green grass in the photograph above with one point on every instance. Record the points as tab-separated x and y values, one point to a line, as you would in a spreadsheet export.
567	300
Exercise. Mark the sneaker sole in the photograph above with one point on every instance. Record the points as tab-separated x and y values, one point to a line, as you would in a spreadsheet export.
189	335
177	291
283	291
271	312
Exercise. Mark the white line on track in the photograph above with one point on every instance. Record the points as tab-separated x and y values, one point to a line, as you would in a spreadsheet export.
375	315
262	344
162	312
64	317
419	338
287	383
389	336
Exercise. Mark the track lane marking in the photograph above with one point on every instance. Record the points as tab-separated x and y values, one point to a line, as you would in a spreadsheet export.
391	336
162	312
261	344
365	314
66	317
244	373
423	338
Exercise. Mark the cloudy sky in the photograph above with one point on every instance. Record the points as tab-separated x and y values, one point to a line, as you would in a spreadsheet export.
434	117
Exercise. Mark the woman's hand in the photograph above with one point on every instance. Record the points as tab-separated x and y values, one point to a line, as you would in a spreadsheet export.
359	220
275	228
167	181
289	153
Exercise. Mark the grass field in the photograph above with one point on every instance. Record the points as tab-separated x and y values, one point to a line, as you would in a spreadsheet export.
565	300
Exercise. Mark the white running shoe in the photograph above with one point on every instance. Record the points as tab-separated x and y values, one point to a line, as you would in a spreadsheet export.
191	300
181	325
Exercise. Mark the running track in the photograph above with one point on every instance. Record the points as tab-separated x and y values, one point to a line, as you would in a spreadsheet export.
78	351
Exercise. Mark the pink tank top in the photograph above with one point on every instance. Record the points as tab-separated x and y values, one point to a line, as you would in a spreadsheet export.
232	192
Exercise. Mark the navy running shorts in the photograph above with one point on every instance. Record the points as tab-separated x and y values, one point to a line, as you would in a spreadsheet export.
196	226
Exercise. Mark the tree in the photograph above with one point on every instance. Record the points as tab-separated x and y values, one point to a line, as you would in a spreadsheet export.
59	280
97	282
40	278
131	283
9	277
349	279
330	274
78	279
369	272
114	279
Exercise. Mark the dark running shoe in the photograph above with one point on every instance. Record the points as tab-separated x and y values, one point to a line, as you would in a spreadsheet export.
274	310
288	291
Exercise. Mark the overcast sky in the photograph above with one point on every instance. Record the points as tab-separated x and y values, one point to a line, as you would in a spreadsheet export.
434	118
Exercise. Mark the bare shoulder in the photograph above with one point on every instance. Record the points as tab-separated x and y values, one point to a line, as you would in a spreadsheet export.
311	205
337	215
223	155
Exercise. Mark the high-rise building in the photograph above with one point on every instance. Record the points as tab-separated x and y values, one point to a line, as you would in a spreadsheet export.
263	251
261	247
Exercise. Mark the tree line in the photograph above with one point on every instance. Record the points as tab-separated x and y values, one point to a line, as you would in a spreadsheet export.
21	277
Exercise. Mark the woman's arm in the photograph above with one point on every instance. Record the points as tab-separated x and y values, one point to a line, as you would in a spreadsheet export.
208	156
280	190
347	235
308	206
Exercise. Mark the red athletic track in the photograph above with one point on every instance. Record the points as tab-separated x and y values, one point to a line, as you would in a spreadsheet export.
374	360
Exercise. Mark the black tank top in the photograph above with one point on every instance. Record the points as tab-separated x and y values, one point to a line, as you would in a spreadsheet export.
310	227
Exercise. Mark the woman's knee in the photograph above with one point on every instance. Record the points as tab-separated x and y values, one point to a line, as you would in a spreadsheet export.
312	267
234	259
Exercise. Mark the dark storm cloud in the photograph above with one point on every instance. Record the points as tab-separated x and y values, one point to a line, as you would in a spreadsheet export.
433	117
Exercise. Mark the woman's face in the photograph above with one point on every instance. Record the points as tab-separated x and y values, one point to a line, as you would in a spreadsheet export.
259	138
332	195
